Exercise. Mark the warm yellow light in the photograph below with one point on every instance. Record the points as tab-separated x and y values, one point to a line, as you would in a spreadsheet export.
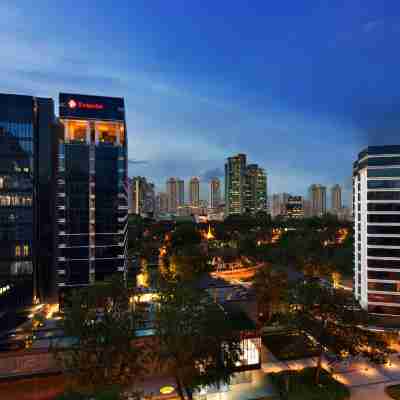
167	390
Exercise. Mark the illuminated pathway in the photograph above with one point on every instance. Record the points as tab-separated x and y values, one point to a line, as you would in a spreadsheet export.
365	380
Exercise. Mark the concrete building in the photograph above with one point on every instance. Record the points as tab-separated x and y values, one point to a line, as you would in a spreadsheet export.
376	209
279	201
180	192
317	196
161	203
215	193
176	194
143	196
336	197
194	192
294	207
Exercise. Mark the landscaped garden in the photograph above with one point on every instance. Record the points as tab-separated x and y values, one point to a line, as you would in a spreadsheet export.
290	345
300	385
393	391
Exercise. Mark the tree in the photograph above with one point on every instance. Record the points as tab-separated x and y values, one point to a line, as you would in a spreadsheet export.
195	339
336	322
100	322
270	287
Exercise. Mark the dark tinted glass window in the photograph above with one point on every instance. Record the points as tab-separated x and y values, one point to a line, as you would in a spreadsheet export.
395	276
384	218
384	184
383	287
384	161
383	196
384	241
383	206
387	172
383	252
384	230
384	298
384	310
389	264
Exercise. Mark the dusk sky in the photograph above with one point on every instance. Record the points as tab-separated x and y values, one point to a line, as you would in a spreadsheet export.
299	86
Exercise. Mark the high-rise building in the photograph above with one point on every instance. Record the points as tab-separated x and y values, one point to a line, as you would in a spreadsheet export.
245	186
215	193
279	201
235	175
317	196
194	192
176	194
171	187
336	197
255	191
161	203
92	192
307	208
294	207
376	209
143	196
180	192
28	149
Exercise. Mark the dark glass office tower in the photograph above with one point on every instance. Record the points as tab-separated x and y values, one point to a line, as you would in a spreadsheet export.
92	193
27	149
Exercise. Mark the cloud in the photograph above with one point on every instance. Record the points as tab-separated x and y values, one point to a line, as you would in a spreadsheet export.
208	175
373	25
138	162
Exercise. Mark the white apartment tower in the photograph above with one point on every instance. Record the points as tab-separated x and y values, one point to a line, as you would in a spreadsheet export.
376	208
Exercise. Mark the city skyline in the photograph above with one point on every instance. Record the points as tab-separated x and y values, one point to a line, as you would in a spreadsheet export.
202	113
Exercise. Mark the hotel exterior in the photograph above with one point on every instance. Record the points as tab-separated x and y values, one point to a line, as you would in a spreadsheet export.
376	208
92	192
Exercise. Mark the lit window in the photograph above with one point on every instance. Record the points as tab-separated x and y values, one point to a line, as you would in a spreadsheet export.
18	251
26	250
1	182
76	131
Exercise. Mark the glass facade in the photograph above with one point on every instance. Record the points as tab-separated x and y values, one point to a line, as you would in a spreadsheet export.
25	123
92	199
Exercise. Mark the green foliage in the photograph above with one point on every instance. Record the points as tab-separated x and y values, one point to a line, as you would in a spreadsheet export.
196	340
101	321
336	322
270	287
112	393
185	235
292	345
300	385
393	391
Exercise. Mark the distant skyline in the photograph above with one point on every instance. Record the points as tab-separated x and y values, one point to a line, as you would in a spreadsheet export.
301	87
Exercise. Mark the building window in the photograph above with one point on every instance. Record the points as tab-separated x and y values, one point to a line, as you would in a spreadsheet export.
26	250
18	251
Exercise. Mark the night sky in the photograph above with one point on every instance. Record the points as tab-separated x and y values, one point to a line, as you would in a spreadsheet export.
300	86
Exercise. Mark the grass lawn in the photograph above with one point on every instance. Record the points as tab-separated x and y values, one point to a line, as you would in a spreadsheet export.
302	387
289	346
393	391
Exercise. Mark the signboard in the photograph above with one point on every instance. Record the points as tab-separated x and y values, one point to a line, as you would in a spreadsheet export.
79	106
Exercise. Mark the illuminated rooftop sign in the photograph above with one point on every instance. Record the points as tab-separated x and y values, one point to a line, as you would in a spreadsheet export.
78	106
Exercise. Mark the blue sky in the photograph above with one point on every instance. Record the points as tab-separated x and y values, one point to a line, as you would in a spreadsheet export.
300	86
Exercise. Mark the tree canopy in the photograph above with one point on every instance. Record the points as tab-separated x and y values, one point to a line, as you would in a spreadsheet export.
196	340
